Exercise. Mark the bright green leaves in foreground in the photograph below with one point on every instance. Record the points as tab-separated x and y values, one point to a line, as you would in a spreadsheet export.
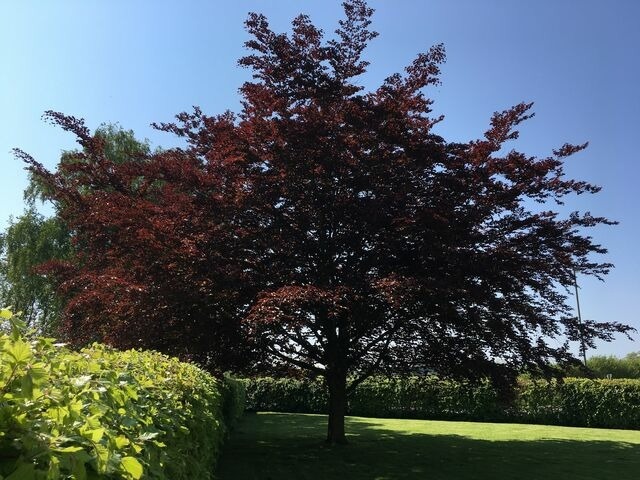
99	413
132	466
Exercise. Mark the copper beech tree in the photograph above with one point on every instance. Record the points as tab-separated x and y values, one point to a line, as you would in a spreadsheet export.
329	229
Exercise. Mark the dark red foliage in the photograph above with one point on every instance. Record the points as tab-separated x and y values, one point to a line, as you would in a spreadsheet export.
331	228
155	266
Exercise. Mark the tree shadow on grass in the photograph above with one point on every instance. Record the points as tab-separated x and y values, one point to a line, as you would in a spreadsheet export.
281	446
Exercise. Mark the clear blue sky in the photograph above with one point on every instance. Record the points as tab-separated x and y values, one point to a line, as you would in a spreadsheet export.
136	62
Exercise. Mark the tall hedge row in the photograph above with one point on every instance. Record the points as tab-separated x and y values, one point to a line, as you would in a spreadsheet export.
574	402
580	402
104	414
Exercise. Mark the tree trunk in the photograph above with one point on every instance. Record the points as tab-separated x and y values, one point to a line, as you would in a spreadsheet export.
337	382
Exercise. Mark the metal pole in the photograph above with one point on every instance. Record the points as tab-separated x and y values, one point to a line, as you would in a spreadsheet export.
583	349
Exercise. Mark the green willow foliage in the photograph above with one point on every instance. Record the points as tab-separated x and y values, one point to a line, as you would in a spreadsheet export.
574	402
29	241
104	414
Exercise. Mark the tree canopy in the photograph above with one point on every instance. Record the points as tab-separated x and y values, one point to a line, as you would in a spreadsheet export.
329	228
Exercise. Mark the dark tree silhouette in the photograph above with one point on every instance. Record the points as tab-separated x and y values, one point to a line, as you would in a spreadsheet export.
330	227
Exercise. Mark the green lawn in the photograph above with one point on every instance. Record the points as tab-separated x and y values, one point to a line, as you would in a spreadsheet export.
289	446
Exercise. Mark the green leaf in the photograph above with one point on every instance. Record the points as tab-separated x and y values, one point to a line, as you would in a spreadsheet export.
102	453
71	449
76	406
54	468
131	392
26	471
132	467
78	469
95	435
5	314
27	386
20	351
38	372
58	414
17	327
121	441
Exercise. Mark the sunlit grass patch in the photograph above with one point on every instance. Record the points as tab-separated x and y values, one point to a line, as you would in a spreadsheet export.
290	446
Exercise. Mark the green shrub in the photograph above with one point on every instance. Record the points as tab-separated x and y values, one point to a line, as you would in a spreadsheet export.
574	402
105	414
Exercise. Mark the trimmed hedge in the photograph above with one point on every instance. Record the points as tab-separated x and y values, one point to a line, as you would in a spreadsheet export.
267	394
574	402
234	394
580	402
104	414
425	397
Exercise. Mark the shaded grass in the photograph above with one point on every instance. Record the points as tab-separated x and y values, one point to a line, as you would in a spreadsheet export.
275	446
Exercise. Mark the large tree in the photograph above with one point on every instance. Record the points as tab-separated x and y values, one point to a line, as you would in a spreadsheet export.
332	228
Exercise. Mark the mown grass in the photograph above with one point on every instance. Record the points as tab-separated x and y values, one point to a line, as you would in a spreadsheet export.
276	446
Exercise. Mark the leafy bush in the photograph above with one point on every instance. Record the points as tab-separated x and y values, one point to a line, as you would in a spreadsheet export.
575	402
105	414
